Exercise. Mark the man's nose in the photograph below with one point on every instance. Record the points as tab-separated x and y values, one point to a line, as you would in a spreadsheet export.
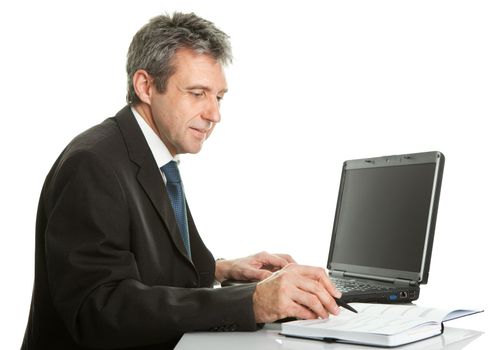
212	113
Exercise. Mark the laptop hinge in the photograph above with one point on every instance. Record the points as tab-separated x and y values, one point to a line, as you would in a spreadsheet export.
405	282
337	273
399	281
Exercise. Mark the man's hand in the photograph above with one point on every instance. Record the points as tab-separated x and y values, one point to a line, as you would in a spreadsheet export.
295	291
252	268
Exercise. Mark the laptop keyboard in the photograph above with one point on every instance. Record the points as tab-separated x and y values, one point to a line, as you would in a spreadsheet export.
349	284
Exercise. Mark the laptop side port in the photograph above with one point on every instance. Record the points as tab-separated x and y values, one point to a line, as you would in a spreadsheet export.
403	295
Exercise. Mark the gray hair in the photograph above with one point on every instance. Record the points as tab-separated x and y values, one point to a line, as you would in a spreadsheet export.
154	46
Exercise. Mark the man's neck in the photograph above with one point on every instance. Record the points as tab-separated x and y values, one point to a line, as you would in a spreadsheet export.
144	111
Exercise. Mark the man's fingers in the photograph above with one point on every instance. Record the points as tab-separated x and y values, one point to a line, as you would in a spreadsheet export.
287	257
315	288
291	293
270	260
256	274
319	274
311	302
324	279
302	312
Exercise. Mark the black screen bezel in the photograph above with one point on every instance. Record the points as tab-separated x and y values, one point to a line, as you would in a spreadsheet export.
422	276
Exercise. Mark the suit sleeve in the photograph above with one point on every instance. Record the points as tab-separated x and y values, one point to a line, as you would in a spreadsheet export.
93	276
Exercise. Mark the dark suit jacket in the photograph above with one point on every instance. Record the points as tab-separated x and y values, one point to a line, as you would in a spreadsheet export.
111	267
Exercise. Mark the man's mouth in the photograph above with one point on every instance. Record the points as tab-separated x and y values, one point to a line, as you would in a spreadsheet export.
200	133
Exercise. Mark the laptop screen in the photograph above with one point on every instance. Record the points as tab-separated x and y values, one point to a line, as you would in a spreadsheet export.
383	216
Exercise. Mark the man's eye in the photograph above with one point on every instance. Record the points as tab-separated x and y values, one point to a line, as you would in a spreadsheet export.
197	93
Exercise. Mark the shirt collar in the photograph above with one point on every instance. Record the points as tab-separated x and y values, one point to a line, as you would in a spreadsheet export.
159	150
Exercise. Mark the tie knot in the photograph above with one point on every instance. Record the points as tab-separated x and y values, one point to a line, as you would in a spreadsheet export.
171	172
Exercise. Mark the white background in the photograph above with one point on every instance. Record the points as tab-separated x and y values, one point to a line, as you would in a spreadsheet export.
313	83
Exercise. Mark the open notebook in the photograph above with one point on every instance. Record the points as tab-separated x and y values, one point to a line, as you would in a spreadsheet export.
376	324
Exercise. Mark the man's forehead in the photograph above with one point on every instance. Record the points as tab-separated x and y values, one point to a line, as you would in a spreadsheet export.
196	69
185	59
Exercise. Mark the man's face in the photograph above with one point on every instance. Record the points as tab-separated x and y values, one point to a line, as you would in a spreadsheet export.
186	113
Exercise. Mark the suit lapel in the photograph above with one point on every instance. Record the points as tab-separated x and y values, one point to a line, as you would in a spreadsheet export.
148	175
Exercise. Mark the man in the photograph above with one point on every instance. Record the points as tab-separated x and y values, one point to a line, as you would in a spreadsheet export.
119	261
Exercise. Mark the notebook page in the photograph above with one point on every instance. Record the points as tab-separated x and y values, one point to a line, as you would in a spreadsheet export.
410	310
365	323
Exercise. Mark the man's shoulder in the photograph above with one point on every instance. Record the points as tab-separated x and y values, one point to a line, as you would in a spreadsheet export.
105	143
104	138
115	146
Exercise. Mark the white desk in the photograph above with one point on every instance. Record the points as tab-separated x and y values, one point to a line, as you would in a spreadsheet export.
269	338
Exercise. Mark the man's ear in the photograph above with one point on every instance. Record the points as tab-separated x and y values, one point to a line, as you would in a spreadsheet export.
142	85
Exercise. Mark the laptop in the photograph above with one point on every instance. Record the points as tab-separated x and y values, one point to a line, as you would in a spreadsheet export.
384	224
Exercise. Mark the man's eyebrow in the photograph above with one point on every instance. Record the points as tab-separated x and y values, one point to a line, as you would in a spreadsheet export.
204	87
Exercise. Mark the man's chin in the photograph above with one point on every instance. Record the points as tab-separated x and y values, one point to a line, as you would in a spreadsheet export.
192	149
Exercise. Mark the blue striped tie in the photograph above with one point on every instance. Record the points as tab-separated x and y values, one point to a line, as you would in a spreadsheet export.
177	198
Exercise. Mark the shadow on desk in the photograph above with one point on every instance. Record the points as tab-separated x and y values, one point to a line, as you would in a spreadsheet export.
269	338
